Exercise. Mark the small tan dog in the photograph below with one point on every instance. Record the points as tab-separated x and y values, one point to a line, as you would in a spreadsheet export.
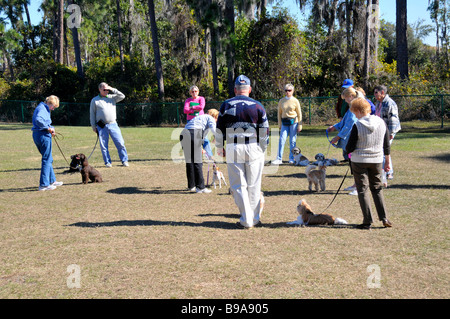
316	176
218	176
307	217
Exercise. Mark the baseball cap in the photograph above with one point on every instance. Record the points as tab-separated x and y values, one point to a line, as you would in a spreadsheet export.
242	80
347	83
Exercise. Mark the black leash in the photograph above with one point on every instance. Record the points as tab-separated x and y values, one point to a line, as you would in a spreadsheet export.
338	189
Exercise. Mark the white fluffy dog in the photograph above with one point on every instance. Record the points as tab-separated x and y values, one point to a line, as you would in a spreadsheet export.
218	176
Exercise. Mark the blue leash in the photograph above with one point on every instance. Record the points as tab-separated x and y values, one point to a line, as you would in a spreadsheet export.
326	132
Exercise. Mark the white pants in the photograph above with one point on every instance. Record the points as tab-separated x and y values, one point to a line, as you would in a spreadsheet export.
245	163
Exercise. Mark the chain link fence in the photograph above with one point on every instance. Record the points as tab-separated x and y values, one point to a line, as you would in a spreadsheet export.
315	110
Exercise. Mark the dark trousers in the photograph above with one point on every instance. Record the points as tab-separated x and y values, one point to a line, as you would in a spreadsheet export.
368	177
191	141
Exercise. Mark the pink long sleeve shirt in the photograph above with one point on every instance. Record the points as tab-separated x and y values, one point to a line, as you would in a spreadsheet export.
192	111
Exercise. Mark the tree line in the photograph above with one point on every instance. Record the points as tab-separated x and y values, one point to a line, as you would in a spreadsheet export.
155	50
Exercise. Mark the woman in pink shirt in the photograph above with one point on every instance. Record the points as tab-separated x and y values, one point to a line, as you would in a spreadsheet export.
194	105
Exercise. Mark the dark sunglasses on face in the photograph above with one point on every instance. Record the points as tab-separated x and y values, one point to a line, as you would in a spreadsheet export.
288	90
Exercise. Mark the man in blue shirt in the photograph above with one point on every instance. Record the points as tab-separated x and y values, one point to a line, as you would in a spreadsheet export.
243	124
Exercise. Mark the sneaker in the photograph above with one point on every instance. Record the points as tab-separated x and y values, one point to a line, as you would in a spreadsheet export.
57	184
390	176
193	189
291	162
350	188
125	164
47	188
277	162
109	165
354	192
204	190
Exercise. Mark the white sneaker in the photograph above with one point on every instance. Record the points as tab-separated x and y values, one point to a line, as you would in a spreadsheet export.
125	164
204	190
277	162
354	192
193	189
47	188
109	165
57	184
350	188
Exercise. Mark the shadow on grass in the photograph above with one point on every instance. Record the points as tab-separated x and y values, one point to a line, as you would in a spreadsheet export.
207	224
136	190
441	157
29	189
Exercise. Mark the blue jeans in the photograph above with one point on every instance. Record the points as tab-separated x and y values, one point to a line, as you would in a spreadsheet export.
207	147
391	171
285	130
112	130
43	141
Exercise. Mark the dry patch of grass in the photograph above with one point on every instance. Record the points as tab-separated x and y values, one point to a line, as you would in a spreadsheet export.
141	235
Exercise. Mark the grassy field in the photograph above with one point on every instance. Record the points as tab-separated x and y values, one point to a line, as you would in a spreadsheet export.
140	234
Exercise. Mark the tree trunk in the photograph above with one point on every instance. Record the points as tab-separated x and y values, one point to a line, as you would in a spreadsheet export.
60	33
155	43
367	45
30	27
402	43
119	27
375	32
76	48
230	54
213	47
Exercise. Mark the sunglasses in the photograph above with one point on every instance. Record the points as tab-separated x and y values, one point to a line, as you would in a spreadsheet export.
288	90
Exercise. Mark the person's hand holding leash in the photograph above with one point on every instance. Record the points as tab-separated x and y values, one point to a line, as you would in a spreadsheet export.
335	140
51	130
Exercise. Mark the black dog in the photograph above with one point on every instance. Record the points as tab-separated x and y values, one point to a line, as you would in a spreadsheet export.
80	162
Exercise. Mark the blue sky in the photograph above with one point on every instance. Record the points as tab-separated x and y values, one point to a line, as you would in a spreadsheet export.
417	9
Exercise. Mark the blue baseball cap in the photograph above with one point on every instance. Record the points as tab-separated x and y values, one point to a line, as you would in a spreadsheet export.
347	83
242	80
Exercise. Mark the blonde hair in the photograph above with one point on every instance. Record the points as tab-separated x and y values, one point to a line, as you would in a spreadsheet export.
360	104
52	100
352	93
289	87
213	112
193	87
361	90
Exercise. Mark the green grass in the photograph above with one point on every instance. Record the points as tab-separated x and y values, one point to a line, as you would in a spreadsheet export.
141	235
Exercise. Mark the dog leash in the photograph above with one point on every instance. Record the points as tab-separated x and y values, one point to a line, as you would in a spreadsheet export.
56	137
326	132
94	147
337	190
329	144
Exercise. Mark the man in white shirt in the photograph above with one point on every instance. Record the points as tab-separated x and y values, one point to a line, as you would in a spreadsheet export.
103	122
